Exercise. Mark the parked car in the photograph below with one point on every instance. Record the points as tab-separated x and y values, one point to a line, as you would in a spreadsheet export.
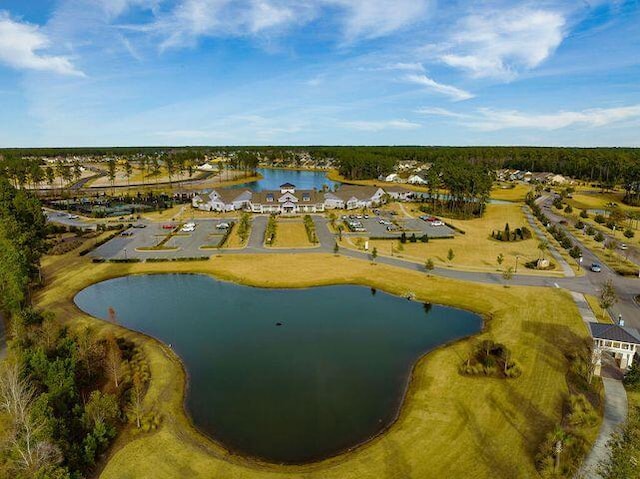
73	217
126	233
623	246
437	223
168	227
596	268
140	226
223	226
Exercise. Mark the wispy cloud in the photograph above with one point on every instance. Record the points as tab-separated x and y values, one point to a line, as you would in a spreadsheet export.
487	119
21	47
501	43
452	92
377	18
190	20
381	125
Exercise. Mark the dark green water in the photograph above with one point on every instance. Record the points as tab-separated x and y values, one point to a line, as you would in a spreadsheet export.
330	377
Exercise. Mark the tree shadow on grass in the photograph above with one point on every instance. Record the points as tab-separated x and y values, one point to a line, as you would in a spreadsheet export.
490	448
558	341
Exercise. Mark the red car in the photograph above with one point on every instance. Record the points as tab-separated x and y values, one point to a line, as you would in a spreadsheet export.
168	227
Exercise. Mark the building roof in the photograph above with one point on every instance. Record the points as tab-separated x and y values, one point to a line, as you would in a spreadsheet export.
287	185
346	192
614	332
260	198
229	195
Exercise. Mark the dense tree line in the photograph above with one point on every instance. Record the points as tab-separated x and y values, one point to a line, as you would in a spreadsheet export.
63	393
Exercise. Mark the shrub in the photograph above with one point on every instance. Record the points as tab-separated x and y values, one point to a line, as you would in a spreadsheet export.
629	233
584	214
568	209
590	230
599	219
599	237
575	252
579	225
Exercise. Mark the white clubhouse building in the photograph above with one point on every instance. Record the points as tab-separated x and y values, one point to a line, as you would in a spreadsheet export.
289	200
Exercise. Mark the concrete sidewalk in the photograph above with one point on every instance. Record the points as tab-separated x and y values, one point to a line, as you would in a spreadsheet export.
615	414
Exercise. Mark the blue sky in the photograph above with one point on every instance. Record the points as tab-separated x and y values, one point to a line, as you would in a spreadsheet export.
300	72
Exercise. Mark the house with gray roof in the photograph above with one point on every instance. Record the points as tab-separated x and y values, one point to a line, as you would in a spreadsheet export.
223	199
620	341
349	197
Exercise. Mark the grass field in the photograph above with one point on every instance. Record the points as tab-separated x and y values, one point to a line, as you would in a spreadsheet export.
593	198
449	426
234	241
504	192
474	250
292	234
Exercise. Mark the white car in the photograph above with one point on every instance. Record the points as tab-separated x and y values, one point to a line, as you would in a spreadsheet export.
623	246
73	217
223	226
437	223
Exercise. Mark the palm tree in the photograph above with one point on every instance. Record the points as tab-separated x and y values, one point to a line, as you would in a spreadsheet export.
543	246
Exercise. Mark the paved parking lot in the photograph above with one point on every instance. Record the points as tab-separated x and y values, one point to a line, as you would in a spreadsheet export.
187	244
410	226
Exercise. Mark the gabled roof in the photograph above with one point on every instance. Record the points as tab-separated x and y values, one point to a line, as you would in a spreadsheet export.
229	195
346	192
287	185
614	332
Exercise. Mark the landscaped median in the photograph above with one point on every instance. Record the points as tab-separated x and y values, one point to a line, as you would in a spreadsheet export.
450	425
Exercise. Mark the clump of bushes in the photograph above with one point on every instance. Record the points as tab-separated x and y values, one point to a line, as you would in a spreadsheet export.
507	234
489	358
600	219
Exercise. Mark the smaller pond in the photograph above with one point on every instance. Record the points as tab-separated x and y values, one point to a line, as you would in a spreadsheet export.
289	376
273	178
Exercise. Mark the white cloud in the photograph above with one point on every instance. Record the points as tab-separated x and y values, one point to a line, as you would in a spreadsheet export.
452	92
381	125
502	42
190	20
21	45
377	18
487	119
436	111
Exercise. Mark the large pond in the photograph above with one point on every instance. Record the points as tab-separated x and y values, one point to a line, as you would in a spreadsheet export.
288	376
302	179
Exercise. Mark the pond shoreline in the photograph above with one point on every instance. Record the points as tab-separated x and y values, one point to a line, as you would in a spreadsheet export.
400	400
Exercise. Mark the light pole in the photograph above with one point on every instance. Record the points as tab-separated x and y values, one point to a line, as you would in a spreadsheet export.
516	270
125	254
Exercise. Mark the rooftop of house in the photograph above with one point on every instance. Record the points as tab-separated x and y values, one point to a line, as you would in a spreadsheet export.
615	332
229	195
346	192
269	196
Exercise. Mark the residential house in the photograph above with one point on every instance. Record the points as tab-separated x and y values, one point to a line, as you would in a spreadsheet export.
391	178
223	199
398	193
416	179
350	197
620	341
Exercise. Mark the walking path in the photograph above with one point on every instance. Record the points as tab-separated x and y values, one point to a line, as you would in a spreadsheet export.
615	406
615	414
566	269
